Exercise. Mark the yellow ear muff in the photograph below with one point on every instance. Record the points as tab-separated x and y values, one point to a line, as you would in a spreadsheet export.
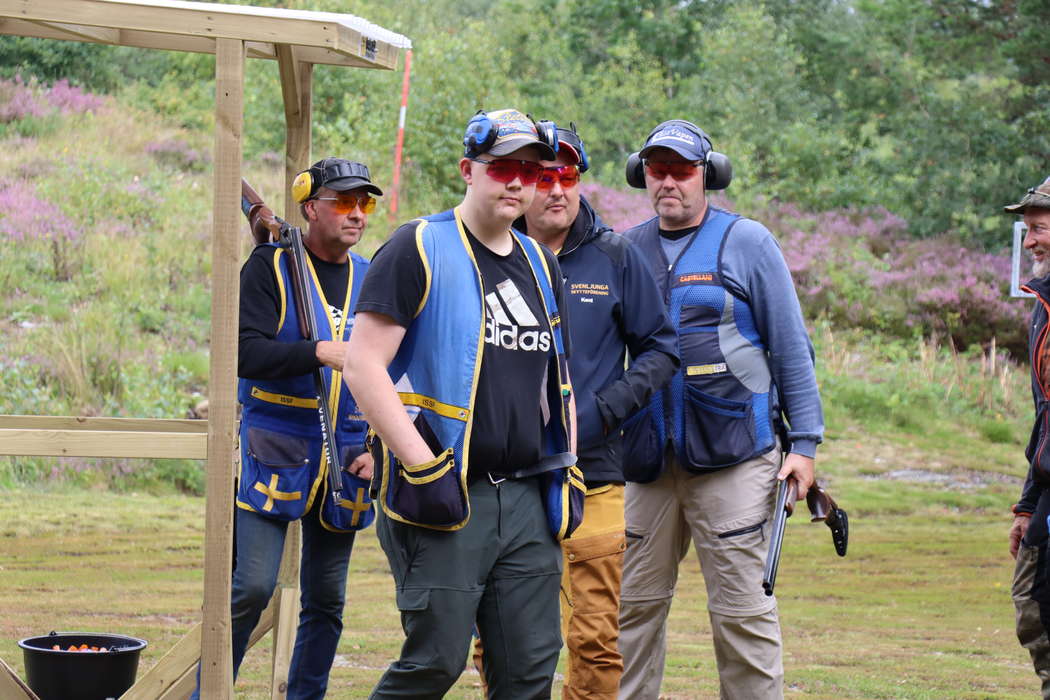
302	187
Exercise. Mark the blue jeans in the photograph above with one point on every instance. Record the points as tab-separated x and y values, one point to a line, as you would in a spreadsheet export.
322	579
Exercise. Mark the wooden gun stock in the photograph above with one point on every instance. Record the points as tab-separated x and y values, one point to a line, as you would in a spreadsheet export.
264	225
824	509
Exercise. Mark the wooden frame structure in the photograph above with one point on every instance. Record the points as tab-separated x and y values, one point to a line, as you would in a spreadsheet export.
297	40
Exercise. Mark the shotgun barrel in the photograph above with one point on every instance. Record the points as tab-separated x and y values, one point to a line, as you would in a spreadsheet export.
787	494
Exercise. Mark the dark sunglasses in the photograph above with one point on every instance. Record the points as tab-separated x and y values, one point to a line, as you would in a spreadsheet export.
566	175
506	170
679	170
345	203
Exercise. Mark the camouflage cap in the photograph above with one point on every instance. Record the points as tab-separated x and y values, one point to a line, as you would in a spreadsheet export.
1038	196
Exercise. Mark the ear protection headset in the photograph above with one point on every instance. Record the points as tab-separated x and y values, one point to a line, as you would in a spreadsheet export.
309	181
572	138
481	134
718	171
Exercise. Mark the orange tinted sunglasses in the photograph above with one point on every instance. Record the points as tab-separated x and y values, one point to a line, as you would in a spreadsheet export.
566	175
679	170
345	203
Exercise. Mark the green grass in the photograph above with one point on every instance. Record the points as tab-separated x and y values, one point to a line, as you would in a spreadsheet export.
920	607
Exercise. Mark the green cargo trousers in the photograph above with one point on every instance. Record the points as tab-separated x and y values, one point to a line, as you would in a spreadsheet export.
1030	631
502	570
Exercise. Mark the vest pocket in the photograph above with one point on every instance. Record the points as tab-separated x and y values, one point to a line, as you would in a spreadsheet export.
718	432
428	494
275	473
642	454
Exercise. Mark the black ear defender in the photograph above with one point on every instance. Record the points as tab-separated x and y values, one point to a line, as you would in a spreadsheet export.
718	171
547	131
571	137
480	135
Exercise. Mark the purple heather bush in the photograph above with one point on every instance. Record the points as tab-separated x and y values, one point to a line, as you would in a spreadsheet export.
20	100
25	217
178	154
861	269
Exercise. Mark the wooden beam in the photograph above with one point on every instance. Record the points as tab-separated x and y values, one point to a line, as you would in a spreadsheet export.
12	687
79	32
297	91
216	666
167	676
285	624
150	425
103	443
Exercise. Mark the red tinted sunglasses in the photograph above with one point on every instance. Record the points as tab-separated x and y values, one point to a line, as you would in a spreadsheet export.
566	175
679	170
507	170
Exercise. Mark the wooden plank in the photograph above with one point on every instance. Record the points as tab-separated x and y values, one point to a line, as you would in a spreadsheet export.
167	678
103	443
297	92
79	32
285	623
169	668
216	666
181	42
317	30
148	425
12	687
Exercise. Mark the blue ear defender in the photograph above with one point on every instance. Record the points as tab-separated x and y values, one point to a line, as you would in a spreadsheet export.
479	136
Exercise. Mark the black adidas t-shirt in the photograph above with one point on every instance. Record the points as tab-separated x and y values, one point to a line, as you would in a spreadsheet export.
259	356
508	418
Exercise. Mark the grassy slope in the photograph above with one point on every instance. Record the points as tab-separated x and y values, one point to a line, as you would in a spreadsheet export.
919	609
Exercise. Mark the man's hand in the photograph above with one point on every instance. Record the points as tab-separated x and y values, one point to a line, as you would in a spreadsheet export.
361	466
331	353
801	468
1017	531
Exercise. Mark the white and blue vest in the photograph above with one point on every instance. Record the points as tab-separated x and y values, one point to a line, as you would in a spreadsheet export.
718	409
282	468
441	357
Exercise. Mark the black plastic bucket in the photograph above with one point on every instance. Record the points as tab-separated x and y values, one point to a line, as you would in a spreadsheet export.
57	674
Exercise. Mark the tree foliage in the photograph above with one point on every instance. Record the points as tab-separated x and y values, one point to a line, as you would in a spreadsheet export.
936	110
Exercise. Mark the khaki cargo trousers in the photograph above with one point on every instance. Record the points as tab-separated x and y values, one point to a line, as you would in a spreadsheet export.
592	568
726	515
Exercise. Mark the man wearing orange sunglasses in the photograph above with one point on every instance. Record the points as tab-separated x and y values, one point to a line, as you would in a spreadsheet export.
476	481
615	309
282	475
703	459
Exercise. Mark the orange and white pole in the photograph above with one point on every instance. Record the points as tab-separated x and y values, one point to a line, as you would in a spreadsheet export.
400	135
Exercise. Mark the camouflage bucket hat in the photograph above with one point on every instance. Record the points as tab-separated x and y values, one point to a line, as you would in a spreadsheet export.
1035	197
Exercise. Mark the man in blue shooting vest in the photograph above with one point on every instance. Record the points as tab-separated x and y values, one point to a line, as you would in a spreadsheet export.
616	310
477	488
705	455
283	474
1029	532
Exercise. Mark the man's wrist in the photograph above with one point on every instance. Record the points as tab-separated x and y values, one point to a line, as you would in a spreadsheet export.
1020	513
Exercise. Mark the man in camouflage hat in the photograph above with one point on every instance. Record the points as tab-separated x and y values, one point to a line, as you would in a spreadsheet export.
1028	535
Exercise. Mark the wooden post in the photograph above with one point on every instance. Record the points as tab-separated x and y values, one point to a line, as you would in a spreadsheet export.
216	663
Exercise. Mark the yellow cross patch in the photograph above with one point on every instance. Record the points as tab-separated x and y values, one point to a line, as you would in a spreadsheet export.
272	493
358	505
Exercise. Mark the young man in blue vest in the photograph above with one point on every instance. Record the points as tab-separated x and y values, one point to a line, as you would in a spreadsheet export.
477	484
704	456
616	310
1028	535
283	474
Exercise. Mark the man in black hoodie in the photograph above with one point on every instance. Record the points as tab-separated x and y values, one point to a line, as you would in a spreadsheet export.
615	308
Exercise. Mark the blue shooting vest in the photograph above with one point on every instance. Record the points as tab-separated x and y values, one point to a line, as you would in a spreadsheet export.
282	468
719	407
441	356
